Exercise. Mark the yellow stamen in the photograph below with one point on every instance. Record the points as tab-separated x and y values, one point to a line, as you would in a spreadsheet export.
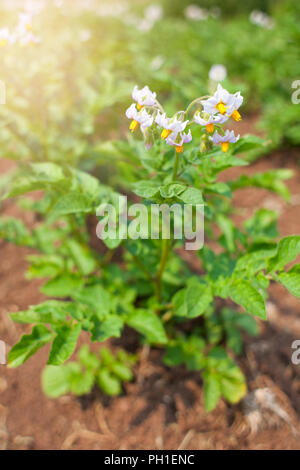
236	115
179	148
134	125
221	107
3	42
225	146
165	133
139	106
209	128
29	27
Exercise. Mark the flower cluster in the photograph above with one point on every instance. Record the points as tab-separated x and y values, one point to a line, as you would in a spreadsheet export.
212	112
22	34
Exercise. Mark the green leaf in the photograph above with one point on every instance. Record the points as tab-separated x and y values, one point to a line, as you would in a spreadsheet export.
62	286
219	188
171	190
95	297
108	383
146	189
55	381
80	382
191	196
291	281
28	345
50	311
44	266
270	180
288	249
110	326
228	229
212	391
246	143
192	301
243	293
64	344
82	256
87	358
72	203
149	325
122	372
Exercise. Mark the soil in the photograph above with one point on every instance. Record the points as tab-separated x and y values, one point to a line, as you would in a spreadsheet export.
163	407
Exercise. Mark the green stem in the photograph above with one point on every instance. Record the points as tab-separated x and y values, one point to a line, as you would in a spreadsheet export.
175	168
162	265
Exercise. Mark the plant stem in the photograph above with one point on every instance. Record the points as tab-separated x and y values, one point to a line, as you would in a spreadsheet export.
162	265
175	168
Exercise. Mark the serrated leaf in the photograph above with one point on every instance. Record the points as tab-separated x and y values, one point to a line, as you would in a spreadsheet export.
146	189
191	196
72	203
110	327
96	297
291	281
64	344
62	286
28	345
149	325
171	190
288	250
243	293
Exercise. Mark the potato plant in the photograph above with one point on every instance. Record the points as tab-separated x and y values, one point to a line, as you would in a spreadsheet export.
196	319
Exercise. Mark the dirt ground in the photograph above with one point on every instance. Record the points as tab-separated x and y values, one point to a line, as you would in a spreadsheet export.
162	408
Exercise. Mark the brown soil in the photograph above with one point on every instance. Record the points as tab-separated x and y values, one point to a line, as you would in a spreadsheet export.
163	408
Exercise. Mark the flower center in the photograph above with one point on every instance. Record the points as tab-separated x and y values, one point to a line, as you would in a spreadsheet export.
139	106
3	42
225	146
165	133
133	125
209	128
179	148
236	115
221	107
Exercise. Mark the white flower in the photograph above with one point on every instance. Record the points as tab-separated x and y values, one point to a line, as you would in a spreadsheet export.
29	39
225	139
141	118
169	125
224	102
259	18
218	73
177	139
5	37
195	13
25	23
143	97
210	122
154	12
